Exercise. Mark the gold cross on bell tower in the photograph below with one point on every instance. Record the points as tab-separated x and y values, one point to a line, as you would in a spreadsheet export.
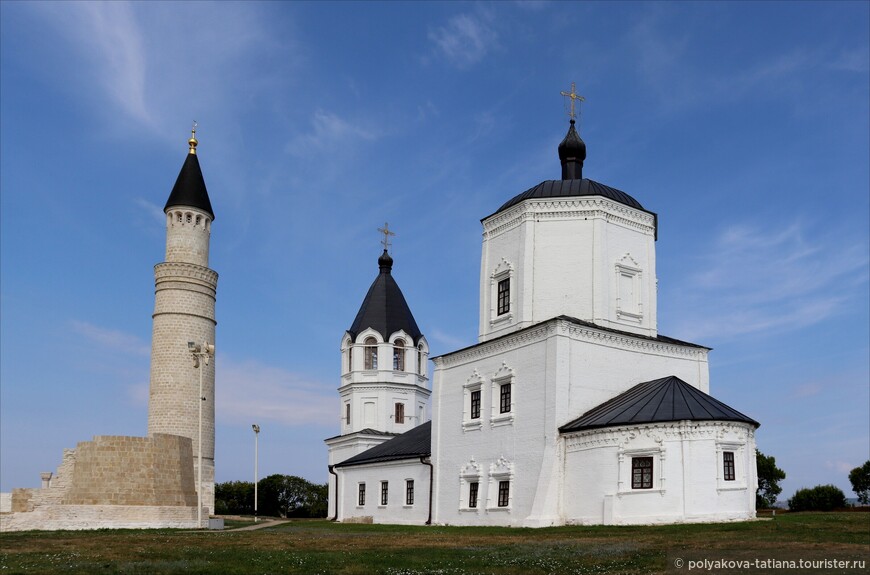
574	97
387	233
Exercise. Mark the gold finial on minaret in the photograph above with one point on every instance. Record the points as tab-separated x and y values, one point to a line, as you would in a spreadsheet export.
387	233
574	97
192	141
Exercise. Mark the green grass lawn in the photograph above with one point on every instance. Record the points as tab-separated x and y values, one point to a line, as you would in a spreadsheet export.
316	546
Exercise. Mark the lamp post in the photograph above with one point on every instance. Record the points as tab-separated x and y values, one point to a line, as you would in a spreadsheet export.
256	429
201	354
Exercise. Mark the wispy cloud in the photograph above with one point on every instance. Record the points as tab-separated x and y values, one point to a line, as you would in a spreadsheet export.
464	40
152	210
447	340
757	279
161	64
109	36
250	390
667	62
112	339
329	129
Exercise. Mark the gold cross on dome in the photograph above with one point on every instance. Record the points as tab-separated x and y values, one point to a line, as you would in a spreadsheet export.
574	97
387	233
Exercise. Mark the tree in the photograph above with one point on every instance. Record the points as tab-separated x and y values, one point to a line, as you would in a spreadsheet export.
234	497
769	476
291	496
860	480
819	498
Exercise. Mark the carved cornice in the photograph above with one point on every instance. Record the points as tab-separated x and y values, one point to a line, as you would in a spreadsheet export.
627	342
504	343
575	207
657	433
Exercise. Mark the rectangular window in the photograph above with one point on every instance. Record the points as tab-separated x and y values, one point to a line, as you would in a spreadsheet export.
641	472
409	492
385	490
505	399
400	413
504	491
728	464
472	495
347	413
475	404
362	494
504	296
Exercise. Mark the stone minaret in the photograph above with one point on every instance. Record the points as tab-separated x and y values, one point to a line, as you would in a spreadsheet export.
184	306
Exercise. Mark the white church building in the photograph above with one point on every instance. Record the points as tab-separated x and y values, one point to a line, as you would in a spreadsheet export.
570	409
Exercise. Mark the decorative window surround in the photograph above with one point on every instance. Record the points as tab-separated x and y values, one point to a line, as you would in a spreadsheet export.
624	470
739	451
504	376
468	474
473	383
629	307
503	271
501	470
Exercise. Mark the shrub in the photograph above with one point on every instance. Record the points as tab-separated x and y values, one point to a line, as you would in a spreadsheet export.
819	498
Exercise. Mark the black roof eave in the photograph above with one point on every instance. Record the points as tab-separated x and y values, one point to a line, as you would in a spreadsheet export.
639	423
660	338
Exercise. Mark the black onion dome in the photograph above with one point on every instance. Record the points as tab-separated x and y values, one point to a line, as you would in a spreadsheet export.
384	308
572	153
189	189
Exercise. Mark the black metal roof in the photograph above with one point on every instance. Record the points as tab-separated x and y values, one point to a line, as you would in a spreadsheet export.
666	399
384	308
410	445
189	189
571	188
659	338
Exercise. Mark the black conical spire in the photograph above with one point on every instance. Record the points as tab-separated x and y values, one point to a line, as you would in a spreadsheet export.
189	188
572	153
384	308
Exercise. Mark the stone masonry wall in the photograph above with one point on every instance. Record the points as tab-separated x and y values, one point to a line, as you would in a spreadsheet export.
113	482
118	470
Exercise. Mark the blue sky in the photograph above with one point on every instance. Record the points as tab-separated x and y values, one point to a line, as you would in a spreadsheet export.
745	126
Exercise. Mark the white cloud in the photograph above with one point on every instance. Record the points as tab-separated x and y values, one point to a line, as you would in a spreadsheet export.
164	64
112	339
451	342
152	210
329	129
109	37
465	40
249	391
761	280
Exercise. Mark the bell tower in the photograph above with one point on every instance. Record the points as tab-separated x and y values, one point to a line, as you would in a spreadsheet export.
184	311
384	388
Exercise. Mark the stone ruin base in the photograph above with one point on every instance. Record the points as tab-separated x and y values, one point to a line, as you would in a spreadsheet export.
112	482
78	517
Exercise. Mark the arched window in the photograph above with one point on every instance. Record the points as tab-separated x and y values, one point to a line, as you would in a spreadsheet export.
349	356
399	355
420	367
371	351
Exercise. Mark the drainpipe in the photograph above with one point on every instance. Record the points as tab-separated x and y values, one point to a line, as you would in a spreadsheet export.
332	471
431	487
